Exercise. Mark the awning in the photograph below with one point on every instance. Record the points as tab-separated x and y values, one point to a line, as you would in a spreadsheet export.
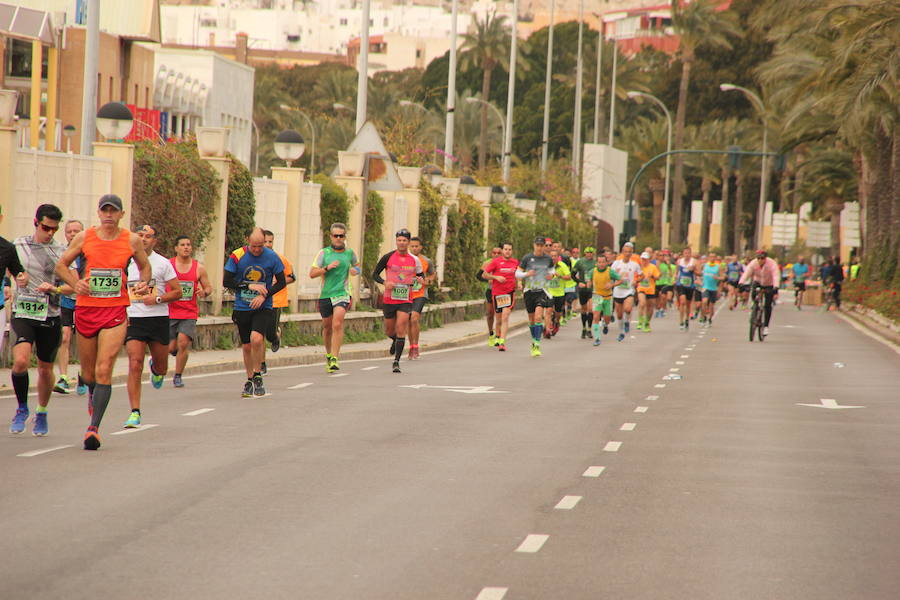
26	24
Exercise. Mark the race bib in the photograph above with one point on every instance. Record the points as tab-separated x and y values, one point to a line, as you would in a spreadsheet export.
555	283
503	300
733	276
105	283
32	306
685	281
417	285
340	300
136	299
247	295
187	290
400	292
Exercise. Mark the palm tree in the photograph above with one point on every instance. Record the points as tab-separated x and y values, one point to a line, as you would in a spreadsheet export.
336	87
706	136
644	139
697	23
830	181
486	48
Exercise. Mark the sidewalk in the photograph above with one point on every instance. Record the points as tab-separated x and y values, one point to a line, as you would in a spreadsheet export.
451	335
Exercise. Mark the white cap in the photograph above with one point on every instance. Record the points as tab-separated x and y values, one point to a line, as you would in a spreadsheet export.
645	255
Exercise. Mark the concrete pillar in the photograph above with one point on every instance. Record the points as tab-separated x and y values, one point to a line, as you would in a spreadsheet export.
767	226
441	256
695	224
122	156
390	224
356	190
37	60
8	148
411	196
52	87
214	250
294	179
715	225
482	195
310	237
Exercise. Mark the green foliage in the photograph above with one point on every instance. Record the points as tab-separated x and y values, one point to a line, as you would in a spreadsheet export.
372	241
877	295
174	190
430	204
291	336
507	226
465	247
334	205
241	205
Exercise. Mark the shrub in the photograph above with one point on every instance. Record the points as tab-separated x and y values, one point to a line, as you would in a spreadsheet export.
430	204
241	215
372	238
465	247
334	205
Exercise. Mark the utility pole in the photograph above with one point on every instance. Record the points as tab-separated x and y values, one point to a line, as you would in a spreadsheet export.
579	84
545	137
451	93
511	95
89	87
362	86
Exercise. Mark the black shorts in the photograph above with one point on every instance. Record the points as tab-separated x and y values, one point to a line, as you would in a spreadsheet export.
698	295
559	303
326	308
248	321
622	300
534	299
684	291
390	310
570	297
148	329
732	284
800	286
584	296
488	297
418	304
67	316
44	336
711	295
665	289
744	288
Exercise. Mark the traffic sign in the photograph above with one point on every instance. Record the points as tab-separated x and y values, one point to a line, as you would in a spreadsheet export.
818	234
784	229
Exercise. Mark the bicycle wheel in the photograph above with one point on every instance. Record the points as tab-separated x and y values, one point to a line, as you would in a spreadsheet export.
753	321
760	330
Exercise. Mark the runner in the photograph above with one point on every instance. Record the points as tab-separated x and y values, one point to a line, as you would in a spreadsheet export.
713	275
800	271
698	288
36	323
148	322
764	272
665	282
602	281
279	300
686	271
334	264
647	292
102	300
561	275
571	285
403	270
502	273
535	272
582	275
183	312
419	296
67	321
256	274
733	271
488	300
628	267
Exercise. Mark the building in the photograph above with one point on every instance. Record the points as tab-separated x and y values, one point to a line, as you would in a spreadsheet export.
395	51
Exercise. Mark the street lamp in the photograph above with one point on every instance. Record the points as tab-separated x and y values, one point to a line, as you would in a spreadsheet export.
665	207
471	100
114	121
69	133
312	133
8	100
761	109
289	146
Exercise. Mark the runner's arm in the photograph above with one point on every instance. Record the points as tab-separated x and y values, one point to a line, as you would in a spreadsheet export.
62	269
317	269
10	258
380	267
203	278
280	283
173	291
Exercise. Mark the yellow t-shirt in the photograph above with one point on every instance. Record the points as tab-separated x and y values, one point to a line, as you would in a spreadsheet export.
601	278
648	283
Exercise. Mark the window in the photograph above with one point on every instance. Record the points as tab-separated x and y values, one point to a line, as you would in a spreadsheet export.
18	61
385	21
344	22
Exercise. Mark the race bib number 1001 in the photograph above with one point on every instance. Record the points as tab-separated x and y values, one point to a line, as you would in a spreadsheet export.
105	283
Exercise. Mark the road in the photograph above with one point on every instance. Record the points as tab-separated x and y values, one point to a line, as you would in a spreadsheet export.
582	474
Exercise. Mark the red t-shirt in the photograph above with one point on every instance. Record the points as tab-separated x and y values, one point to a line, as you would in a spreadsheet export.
186	306
507	268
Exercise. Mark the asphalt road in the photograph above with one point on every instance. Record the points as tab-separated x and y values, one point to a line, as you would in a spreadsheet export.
719	485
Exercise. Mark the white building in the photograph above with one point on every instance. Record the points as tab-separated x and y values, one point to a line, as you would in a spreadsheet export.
196	88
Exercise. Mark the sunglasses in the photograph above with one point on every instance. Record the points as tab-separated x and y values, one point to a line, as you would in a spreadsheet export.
338	235
48	228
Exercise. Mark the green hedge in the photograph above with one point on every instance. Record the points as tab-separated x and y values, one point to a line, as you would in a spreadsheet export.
372	238
430	204
334	205
508	226
465	248
241	217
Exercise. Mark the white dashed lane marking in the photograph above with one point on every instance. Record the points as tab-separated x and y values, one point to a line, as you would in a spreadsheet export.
532	543
492	593
685	356
651	398
368	368
660	385
300	386
640	409
612	446
44	451
679	362
199	411
593	472
135	429
338	375
628	427
674	370
567	502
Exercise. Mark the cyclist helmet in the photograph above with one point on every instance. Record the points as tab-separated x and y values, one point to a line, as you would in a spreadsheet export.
761	253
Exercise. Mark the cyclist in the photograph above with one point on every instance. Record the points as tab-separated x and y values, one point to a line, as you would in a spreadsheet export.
763	272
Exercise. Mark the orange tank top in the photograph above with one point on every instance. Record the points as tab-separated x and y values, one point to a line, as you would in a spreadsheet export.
106	266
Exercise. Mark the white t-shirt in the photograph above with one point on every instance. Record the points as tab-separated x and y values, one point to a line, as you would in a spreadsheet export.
628	271
163	271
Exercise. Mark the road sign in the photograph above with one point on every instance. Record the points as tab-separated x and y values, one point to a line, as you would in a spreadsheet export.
818	234
784	229
850	224
460	389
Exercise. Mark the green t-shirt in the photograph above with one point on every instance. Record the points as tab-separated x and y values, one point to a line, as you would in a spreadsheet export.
666	274
336	281
557	286
584	267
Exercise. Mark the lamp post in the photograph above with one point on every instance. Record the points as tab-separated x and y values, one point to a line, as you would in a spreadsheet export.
665	207
114	121
69	133
511	92
502	129
597	84
312	133
576	125
451	92
612	91
764	170
545	136
289	146
362	85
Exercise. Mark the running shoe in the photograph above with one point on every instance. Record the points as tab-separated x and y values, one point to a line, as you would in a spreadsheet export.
584	334
414	353
62	386
501	347
627	326
156	380
176	381
596	341
492	341
276	345
535	349
248	389
134	420
396	366
81	389
765	331
18	421
620	337
258	388
646	327
334	363
40	425
605	329
263	369
91	439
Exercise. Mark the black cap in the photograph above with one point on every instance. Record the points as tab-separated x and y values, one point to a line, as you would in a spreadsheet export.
110	200
403	233
540	240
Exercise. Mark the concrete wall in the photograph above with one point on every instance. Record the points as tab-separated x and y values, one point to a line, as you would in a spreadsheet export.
271	204
310	237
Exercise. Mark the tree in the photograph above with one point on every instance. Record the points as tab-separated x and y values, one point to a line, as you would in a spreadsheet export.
644	139
698	23
830	181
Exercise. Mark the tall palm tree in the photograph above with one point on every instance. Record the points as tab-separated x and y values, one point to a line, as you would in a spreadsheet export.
486	48
830	181
698	23
643	139
706	136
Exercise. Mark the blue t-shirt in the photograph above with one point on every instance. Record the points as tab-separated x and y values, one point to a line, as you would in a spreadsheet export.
248	268
734	271
800	271
711	276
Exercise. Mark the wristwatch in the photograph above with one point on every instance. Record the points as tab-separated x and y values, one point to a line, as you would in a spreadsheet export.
159	299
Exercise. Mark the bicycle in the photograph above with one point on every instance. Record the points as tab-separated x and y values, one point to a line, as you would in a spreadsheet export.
828	300
757	312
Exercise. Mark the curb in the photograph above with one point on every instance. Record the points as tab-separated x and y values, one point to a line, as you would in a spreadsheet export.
872	326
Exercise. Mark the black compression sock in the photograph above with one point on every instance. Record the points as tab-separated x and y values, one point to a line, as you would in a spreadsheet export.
20	384
398	351
589	317
102	393
136	410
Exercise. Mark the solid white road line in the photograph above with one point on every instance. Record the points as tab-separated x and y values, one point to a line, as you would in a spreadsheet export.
532	543
300	386
567	502
640	409
199	411
612	446
628	427
652	398
660	385
674	370
368	368
135	429
44	451
593	472
492	593
338	375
